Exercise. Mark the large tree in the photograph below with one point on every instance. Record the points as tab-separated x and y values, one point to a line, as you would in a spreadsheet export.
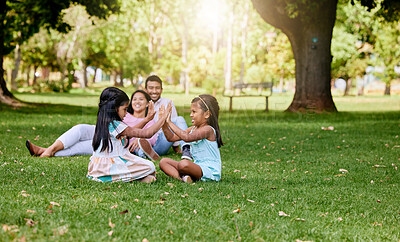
20	19
309	25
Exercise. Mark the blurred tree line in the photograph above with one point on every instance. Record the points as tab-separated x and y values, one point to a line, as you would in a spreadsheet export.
193	43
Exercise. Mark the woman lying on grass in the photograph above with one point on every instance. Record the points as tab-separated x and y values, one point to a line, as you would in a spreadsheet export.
205	140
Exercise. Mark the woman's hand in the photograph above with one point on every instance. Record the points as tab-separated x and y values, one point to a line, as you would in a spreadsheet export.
133	146
161	111
150	111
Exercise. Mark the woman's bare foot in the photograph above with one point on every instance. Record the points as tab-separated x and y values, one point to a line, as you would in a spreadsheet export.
56	146
149	179
34	150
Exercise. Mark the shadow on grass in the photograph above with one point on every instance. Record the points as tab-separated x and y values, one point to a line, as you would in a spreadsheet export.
45	108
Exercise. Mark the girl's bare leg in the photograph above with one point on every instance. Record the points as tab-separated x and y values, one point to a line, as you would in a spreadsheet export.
56	146
170	167
186	167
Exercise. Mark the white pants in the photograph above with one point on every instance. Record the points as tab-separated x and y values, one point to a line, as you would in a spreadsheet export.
77	140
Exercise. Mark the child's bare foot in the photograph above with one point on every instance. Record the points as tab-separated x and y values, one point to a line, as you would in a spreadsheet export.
34	150
147	149
149	179
187	179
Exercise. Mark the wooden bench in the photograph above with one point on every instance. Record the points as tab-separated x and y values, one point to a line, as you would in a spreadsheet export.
239	89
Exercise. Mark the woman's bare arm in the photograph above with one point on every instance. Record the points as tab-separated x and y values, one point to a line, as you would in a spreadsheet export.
149	132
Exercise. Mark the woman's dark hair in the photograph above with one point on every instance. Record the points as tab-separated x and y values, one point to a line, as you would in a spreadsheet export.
146	95
210	103
110	100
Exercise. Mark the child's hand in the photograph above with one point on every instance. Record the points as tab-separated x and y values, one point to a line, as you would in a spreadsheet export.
132	147
150	111
168	120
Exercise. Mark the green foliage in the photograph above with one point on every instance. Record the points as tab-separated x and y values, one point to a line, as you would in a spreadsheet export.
387	48
272	162
21	19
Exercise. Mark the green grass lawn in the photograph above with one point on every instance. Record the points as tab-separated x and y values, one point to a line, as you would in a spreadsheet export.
340	184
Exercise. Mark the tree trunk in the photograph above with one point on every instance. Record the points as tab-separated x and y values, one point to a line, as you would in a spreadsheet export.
281	80
243	43
14	74
228	59
348	87
28	75
310	34
185	39
387	89
94	76
5	95
34	75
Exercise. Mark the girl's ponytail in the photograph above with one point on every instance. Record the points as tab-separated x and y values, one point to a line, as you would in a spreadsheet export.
110	100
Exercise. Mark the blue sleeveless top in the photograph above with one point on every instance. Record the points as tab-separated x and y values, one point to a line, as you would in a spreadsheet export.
206	155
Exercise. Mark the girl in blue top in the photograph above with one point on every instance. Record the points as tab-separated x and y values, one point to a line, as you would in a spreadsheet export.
205	140
111	160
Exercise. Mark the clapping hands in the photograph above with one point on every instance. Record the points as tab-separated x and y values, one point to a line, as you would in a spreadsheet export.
165	113
150	110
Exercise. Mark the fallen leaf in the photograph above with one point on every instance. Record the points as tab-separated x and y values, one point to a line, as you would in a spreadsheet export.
30	222
55	204
185	195
138	217
340	219
49	211
339	175
110	224
114	206
166	193
281	213
236	210
110	233
12	228
25	194
30	211
123	212
377	166
379	201
170	184
37	137
236	171
272	204
250	200
300	219
343	170
136	200
194	211
145	240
